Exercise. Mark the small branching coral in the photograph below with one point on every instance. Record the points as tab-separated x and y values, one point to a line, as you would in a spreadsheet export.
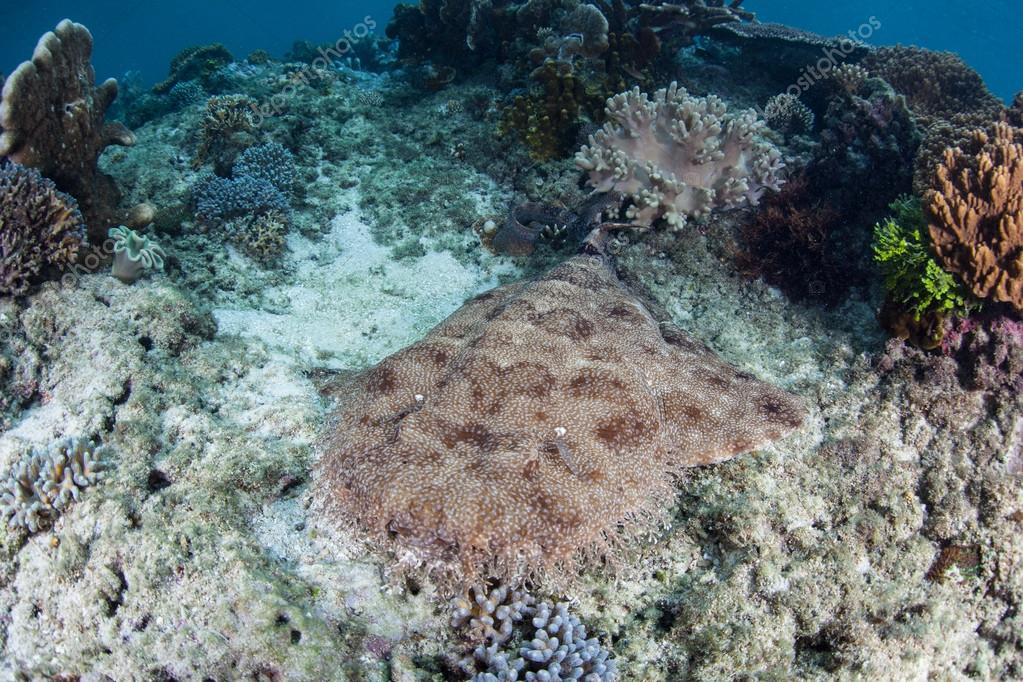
252	206
788	115
913	278
44	484
271	162
679	157
520	641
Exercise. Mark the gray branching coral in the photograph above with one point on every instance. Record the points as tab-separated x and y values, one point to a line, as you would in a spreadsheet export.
39	227
523	641
679	157
44	484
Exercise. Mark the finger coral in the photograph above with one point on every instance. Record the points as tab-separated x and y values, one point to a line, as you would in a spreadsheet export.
52	116
975	215
44	483
535	428
39	227
679	157
551	645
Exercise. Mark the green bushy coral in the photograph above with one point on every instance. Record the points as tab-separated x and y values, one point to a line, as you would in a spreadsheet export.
913	277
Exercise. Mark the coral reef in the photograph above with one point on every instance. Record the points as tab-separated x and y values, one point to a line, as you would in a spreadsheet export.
881	541
197	63
52	118
44	483
937	85
868	143
555	648
134	254
40	226
679	157
560	421
975	215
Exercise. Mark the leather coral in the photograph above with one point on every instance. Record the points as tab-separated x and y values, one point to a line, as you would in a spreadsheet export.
975	214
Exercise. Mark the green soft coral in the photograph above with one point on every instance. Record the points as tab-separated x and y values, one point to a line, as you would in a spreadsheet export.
913	277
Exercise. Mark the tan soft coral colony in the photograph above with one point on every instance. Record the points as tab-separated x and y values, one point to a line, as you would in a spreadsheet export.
976	215
535	425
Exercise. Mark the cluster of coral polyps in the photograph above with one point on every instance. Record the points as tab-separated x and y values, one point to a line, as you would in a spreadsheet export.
975	214
679	157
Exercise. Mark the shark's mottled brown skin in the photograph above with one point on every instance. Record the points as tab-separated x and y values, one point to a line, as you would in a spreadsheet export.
535	424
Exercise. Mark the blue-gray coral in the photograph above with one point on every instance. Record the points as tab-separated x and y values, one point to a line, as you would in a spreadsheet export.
270	162
262	180
44	483
186	93
218	199
552	643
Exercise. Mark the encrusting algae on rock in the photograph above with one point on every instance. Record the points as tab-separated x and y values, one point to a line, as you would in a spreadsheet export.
537	427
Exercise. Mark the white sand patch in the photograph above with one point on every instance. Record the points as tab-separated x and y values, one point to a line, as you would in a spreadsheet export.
350	304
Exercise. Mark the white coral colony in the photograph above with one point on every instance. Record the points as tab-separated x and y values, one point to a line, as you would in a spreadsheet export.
679	157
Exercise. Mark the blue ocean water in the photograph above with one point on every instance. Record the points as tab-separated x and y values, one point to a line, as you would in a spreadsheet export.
144	36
